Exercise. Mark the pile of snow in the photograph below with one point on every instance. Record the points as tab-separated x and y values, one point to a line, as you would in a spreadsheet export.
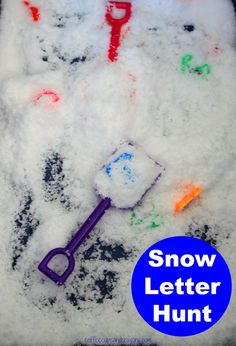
128	174
64	108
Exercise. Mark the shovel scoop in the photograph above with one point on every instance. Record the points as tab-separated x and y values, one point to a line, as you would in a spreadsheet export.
122	182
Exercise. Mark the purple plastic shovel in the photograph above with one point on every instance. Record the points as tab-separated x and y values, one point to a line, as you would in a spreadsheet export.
73	245
122	182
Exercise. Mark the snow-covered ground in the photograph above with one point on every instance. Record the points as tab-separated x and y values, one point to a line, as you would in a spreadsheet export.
52	146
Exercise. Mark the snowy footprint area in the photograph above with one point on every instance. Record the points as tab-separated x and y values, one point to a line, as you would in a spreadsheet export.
64	109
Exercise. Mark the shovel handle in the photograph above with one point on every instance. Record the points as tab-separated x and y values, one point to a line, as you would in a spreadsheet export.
120	6
73	245
51	274
116	24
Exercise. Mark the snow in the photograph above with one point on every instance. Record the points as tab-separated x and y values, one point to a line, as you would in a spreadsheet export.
126	177
51	151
